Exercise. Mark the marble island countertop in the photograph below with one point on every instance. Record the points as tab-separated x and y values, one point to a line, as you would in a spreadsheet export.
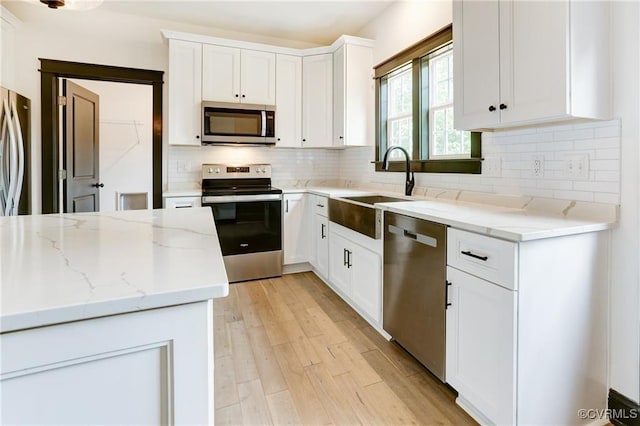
69	267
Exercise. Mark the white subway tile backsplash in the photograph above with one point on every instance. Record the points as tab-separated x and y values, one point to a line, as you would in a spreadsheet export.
573	134
515	149
574	195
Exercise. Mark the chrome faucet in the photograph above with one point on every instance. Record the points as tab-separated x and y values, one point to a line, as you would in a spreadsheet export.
410	181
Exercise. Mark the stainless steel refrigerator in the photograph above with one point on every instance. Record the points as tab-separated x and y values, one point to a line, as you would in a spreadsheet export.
15	158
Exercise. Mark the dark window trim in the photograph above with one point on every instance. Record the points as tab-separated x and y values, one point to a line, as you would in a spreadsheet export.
413	54
50	71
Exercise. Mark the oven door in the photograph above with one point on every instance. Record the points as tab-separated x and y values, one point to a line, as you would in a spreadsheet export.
247	223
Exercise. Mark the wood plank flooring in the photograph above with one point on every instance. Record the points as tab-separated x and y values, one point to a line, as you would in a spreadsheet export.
289	351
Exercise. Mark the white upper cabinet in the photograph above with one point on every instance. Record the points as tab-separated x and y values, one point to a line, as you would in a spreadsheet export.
185	68
288	101
220	73
317	100
258	77
519	63
353	96
238	75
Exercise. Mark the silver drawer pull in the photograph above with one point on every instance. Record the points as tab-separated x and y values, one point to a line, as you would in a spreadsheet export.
475	256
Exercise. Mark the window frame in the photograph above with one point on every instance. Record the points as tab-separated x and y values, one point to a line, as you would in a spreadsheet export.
414	54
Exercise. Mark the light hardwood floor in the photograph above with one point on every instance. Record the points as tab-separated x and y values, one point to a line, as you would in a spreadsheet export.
290	351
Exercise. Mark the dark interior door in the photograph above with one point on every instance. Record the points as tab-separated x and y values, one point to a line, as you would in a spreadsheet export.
81	131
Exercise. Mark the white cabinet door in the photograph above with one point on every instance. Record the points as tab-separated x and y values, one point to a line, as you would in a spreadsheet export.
257	77
481	345
220	73
296	244
353	91
533	69
365	281
339	272
339	70
185	77
288	101
317	100
476	60
320	258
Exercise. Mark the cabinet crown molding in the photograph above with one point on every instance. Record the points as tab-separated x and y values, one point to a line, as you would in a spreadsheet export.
198	38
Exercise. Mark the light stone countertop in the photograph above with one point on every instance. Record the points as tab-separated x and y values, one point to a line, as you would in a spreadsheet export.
508	217
68	267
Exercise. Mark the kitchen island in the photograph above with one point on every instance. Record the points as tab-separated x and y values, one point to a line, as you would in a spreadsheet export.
108	317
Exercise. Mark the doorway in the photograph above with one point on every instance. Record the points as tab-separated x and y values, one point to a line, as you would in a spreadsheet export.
51	71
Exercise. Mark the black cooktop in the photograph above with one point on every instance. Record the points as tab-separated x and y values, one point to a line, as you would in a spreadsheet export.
220	187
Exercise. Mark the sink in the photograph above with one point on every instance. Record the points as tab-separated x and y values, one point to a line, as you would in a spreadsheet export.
373	199
359	214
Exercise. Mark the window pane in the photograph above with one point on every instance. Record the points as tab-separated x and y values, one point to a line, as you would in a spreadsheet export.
445	140
399	93
399	110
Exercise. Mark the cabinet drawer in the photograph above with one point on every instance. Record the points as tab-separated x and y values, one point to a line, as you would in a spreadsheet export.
181	202
485	257
320	205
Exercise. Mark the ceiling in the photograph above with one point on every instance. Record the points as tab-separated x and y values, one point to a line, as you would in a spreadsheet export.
311	21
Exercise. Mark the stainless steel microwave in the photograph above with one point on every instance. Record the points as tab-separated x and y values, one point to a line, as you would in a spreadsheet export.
224	122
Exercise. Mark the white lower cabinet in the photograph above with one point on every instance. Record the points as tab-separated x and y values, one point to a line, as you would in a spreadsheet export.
526	337
296	246
320	258
481	344
355	271
146	367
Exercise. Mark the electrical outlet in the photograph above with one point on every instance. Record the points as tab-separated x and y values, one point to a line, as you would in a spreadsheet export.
576	166
492	167
537	166
182	166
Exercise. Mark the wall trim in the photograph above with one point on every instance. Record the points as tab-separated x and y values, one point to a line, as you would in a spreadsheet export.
622	410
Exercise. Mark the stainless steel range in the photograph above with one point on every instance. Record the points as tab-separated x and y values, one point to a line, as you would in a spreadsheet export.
247	211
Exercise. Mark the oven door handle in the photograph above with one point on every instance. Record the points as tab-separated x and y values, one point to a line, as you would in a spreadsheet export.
240	198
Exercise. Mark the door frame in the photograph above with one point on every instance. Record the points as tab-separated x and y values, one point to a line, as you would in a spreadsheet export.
51	71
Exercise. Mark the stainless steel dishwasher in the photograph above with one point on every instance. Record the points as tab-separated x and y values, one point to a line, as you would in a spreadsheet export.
414	287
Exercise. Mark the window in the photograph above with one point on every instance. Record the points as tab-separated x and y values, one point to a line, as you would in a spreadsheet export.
415	110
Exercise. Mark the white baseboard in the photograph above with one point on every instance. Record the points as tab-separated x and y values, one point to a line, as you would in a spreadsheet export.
296	268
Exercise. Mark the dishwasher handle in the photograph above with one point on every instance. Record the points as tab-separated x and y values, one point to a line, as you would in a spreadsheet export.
420	238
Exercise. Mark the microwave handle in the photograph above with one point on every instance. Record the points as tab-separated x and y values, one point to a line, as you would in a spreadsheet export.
263	113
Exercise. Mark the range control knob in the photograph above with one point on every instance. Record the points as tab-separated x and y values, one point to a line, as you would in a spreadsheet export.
258	170
264	170
217	169
210	170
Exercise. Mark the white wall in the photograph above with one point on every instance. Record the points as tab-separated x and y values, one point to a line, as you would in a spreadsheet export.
405	23
126	136
625	274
